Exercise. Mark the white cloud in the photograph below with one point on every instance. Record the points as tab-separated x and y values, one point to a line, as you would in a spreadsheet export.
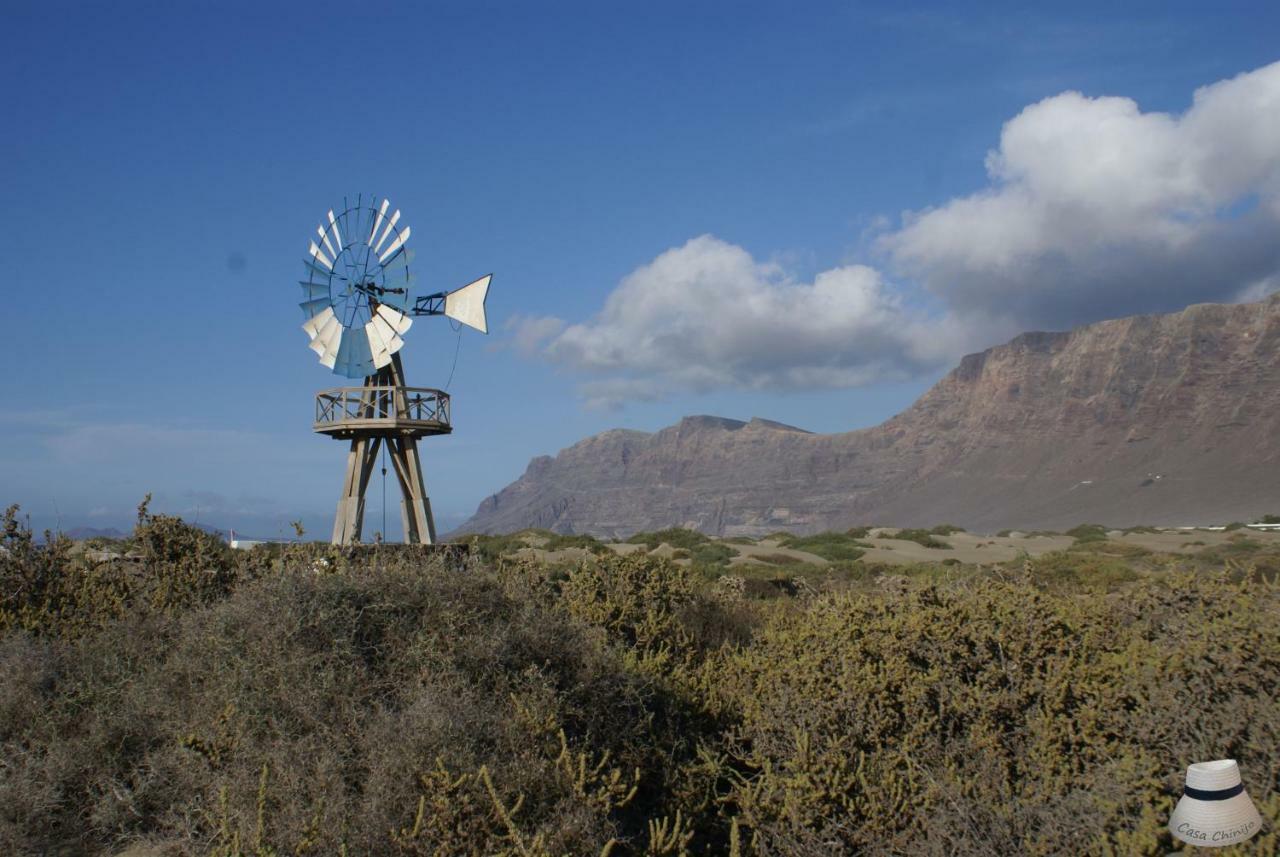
530	332
707	315
1094	209
1097	209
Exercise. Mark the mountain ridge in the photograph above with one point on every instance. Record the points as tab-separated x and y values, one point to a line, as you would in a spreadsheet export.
1163	419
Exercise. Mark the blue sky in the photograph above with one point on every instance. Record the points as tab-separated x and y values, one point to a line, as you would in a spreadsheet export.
166	164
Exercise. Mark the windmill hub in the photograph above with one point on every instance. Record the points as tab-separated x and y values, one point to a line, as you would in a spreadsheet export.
358	303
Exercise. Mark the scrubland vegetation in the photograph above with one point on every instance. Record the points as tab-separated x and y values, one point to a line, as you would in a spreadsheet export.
305	699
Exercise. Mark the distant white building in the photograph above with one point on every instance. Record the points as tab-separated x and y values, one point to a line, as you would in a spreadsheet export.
246	544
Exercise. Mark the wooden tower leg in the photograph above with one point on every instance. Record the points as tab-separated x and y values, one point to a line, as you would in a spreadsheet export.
349	521
416	506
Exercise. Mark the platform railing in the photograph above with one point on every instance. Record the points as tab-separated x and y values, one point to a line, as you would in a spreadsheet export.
376	407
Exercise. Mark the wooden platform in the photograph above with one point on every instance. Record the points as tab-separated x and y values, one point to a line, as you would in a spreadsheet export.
381	411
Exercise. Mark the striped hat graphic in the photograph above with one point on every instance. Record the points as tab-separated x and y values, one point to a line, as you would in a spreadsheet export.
1214	809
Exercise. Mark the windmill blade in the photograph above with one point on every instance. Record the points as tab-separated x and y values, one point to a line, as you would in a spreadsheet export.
399	322
391	224
313	325
398	263
395	245
315	290
355	358
315	305
377	221
320	257
383	340
324	236
377	345
327	339
332	343
467	304
386	333
316	270
337	236
352	221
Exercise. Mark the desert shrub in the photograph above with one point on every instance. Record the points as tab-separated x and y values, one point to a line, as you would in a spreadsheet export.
998	719
858	532
1268	519
1233	548
376	700
1234	525
491	548
559	541
777	559
35	588
739	540
777	536
182	564
922	537
677	537
334	708
1073	569
1088	533
712	556
637	601
44	589
830	546
946	530
1110	548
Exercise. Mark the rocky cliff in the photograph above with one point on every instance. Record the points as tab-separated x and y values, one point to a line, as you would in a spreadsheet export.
1161	419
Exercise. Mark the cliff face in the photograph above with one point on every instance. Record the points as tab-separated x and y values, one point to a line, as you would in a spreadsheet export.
1163	419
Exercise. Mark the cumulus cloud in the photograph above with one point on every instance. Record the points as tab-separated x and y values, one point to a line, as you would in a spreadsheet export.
707	315
529	333
1093	209
1097	209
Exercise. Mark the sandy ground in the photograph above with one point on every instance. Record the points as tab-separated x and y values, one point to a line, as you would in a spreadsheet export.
966	547
1185	541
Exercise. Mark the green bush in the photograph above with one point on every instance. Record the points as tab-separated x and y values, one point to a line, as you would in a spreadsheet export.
999	719
491	548
1073	569
558	541
922	537
1085	533
830	546
318	700
677	537
44	589
713	555
777	559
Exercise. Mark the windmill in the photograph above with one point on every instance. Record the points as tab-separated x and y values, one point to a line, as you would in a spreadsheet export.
358	300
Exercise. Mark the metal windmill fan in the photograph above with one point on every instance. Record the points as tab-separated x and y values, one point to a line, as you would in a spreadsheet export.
359	303
360	254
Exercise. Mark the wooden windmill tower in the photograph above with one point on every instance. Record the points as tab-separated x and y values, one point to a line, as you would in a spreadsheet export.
358	304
